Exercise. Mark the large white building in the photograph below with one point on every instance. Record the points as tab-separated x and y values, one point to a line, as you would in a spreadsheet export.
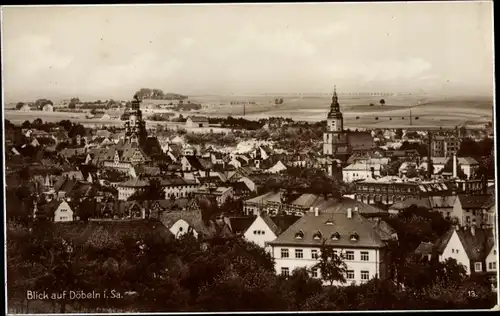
361	242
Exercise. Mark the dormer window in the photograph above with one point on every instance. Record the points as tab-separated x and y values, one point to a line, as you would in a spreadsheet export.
354	237
329	222
335	236
317	235
299	235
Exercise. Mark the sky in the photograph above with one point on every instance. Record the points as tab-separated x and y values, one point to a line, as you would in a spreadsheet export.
103	52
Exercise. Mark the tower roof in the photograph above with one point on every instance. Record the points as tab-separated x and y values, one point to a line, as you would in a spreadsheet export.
335	106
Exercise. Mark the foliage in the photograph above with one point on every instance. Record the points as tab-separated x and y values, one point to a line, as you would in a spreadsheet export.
220	139
331	265
392	168
157	94
154	191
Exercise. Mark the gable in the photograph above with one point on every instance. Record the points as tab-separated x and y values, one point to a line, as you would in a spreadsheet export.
181	227
64	206
492	255
259	224
450	251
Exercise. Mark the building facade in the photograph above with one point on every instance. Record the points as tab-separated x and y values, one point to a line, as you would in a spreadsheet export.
363	249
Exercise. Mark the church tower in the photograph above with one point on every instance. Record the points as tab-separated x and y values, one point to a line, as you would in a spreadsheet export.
335	119
335	138
135	127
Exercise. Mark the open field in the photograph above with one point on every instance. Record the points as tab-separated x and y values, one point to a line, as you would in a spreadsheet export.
357	111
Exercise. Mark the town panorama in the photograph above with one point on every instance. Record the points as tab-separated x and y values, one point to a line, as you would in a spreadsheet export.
166	201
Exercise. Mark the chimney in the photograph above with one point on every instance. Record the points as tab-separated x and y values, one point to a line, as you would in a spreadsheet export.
473	230
349	212
454	165
316	211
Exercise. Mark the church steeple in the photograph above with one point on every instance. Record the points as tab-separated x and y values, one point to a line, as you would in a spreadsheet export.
335	106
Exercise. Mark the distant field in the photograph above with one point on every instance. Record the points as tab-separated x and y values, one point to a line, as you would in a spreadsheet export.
357	111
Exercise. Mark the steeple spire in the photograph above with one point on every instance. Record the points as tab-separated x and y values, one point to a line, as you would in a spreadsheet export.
335	106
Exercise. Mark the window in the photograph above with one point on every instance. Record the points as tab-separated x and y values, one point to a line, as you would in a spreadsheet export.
492	265
365	275
314	273
456	250
317	236
452	250
314	254
478	266
467	219
285	271
284	253
299	235
350	275
354	237
299	254
349	255
365	256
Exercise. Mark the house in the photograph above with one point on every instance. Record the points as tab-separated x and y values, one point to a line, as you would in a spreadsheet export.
262	231
390	190
175	187
25	108
240	190
63	213
101	116
189	150
220	194
188	221
361	243
177	140
465	209
261	152
469	165
269	202
196	164
48	108
277	168
122	158
360	171
239	224
475	248
438	164
196	121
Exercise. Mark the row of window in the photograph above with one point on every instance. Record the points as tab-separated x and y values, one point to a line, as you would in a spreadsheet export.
299	254
396	189
350	274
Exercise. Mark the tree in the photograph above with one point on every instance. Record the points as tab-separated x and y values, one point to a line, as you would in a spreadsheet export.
469	148
19	105
40	103
154	191
382	102
371	104
392	168
331	265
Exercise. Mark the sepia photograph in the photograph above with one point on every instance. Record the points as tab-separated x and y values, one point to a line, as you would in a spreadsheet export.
266	157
